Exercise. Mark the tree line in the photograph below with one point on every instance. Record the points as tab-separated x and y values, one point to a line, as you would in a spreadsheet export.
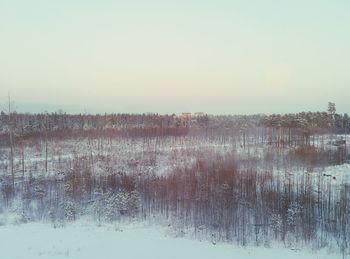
62	126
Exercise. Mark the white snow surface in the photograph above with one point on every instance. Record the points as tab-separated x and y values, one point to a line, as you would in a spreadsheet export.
86	240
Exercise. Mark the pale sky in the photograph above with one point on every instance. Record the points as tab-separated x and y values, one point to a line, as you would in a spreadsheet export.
174	56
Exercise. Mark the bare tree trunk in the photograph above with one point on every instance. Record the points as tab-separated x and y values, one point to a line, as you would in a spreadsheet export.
46	145
11	144
23	167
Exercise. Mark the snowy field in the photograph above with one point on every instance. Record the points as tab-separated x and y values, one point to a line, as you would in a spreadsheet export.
85	240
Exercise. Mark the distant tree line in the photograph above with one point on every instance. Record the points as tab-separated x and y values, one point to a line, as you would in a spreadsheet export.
276	128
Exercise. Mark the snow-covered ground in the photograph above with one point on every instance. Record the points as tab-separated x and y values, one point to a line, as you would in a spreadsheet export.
85	240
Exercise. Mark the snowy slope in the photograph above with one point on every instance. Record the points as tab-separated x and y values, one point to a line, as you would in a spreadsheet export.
87	241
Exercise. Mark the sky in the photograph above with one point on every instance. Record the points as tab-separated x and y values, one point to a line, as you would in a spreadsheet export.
221	57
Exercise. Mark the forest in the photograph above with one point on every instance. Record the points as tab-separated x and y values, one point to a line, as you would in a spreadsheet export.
243	179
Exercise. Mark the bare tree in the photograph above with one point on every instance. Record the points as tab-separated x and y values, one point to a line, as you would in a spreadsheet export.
11	142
